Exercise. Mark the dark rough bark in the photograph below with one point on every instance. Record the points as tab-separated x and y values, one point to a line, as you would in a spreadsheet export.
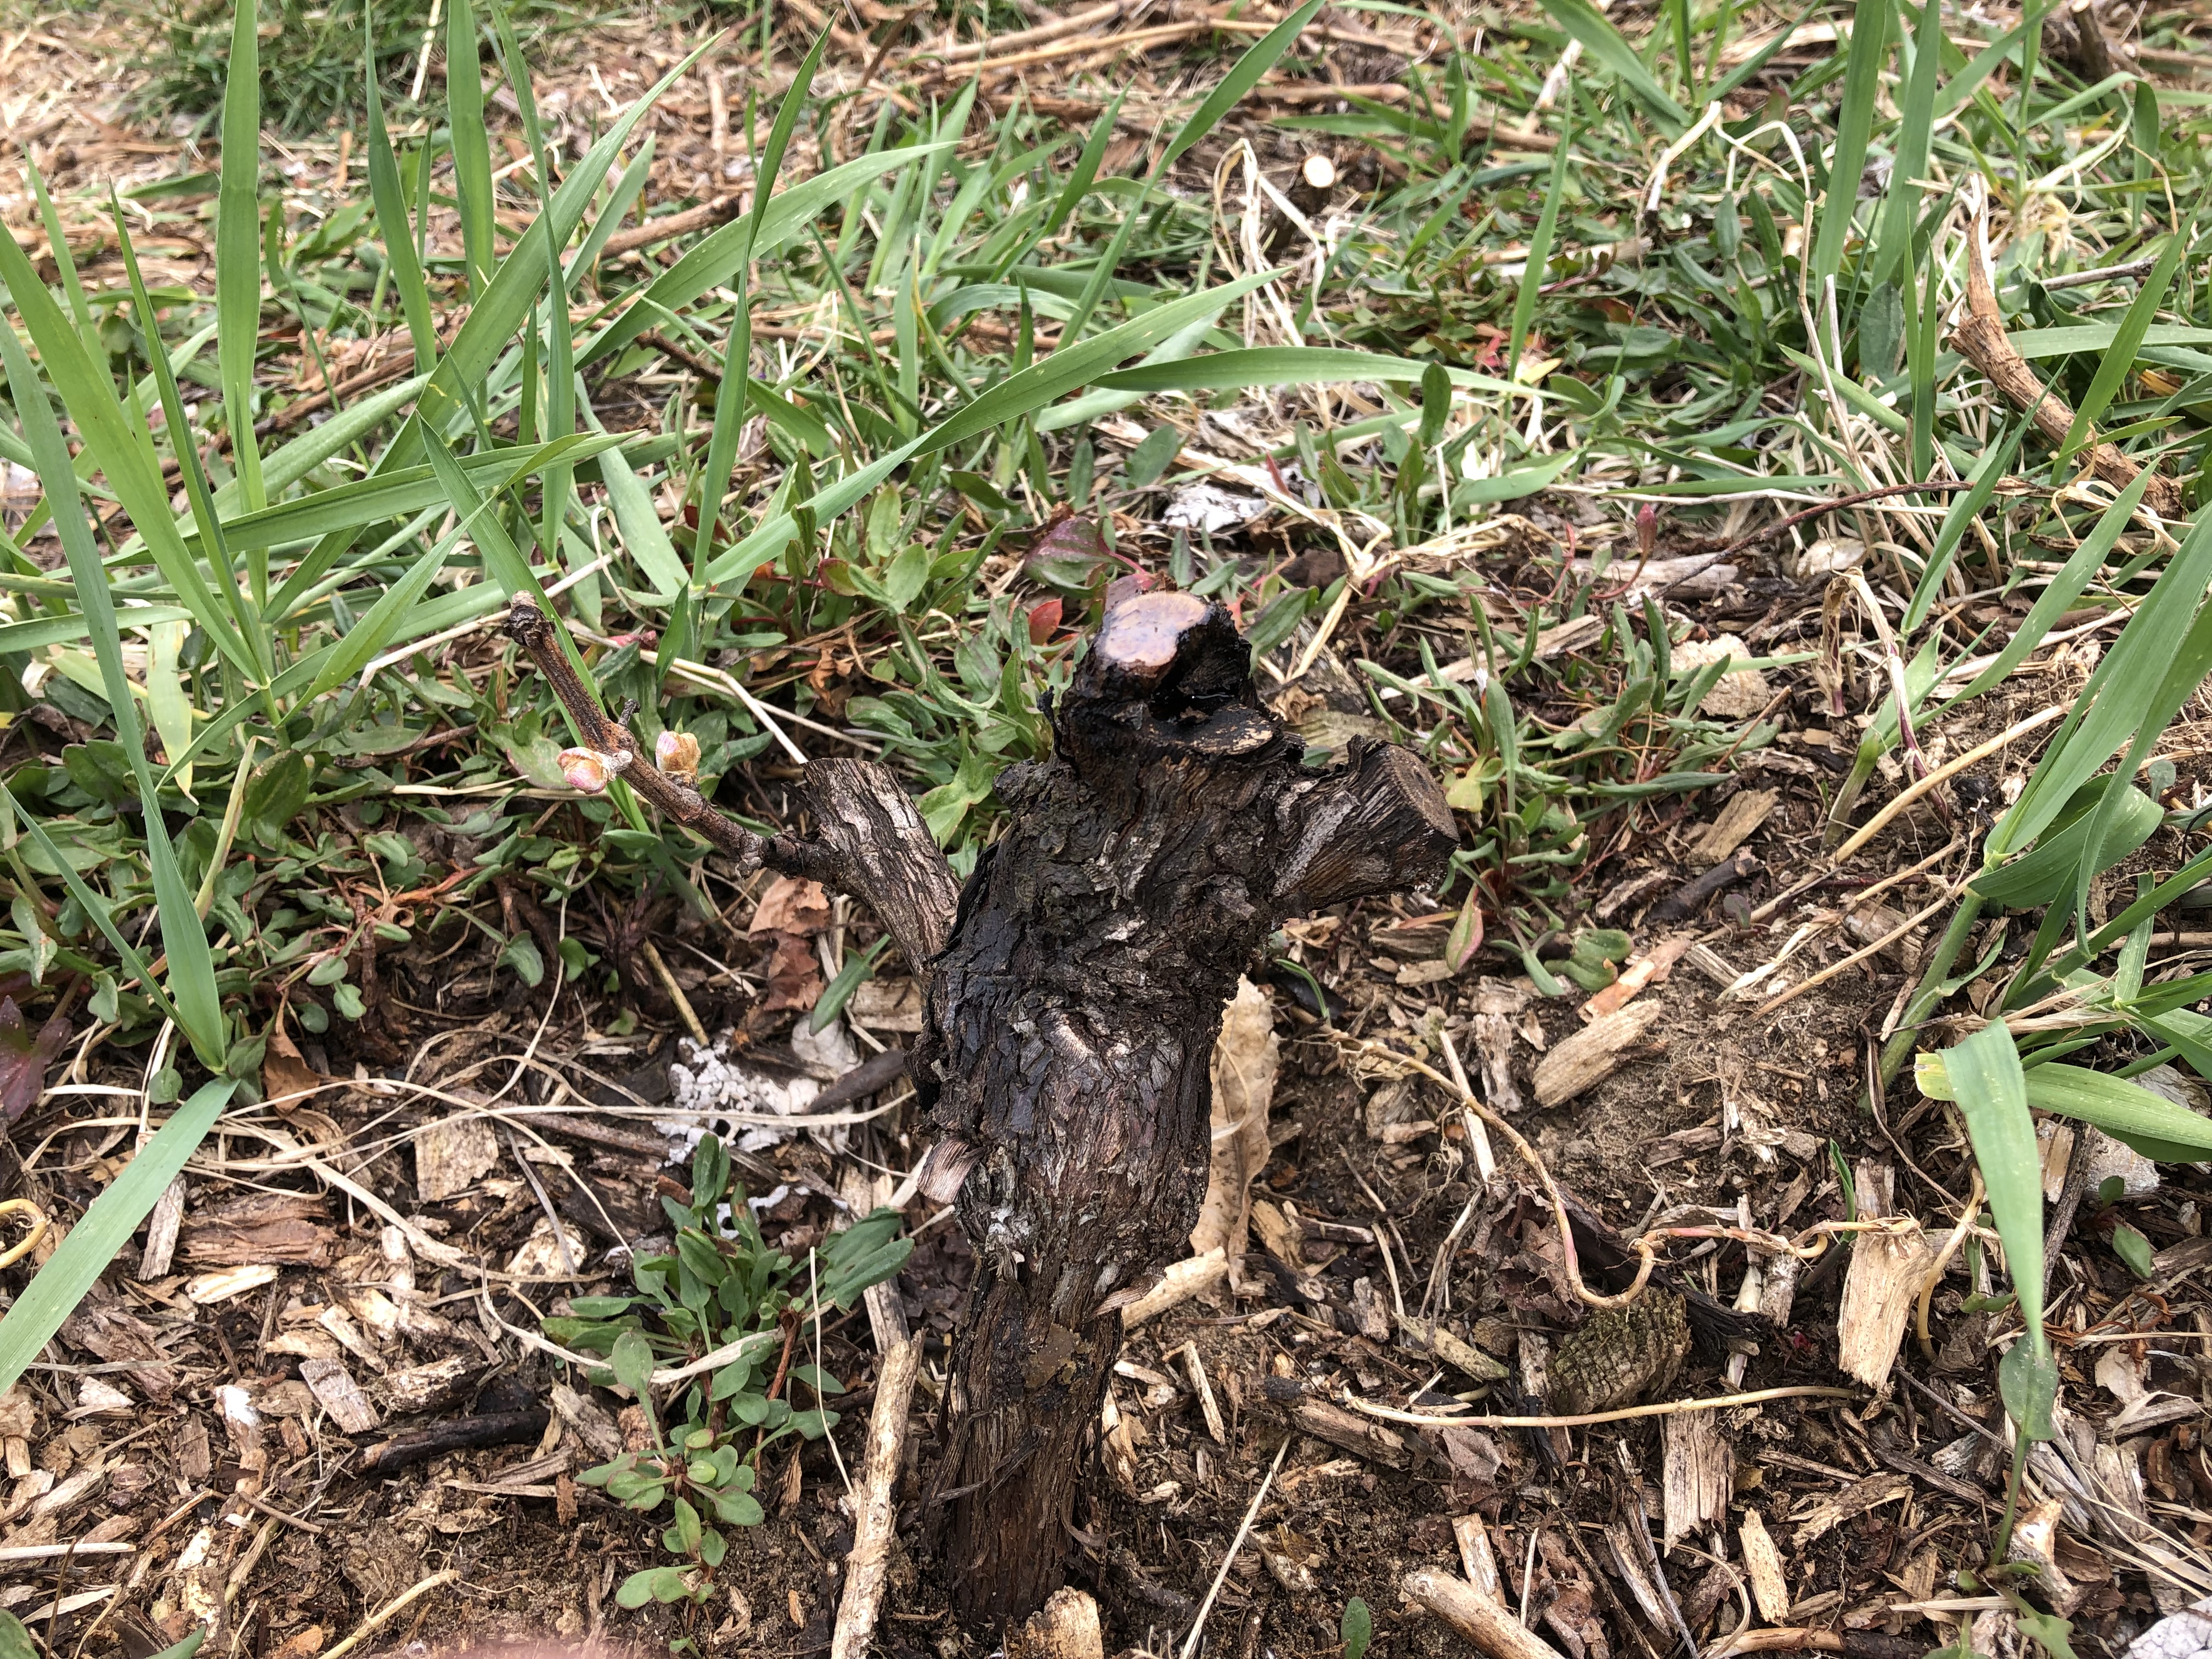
1074	997
1071	1020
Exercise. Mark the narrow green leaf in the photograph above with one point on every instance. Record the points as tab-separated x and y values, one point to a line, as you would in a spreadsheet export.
737	353
471	141
1540	247
192	968
1608	49
1984	1074
714	260
2119	359
1243	75
1086	170
1266	366
1914	131
1869	52
389	196
2123	693
118	447
238	257
2057	598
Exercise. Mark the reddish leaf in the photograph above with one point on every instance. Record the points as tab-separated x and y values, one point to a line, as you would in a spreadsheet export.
1044	619
24	1058
1066	552
1466	936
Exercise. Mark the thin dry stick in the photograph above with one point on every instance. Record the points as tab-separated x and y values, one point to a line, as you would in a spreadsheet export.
1943	1261
1858	499
1198	1625
1913	792
1835	968
1806	884
377	1620
1981	339
675	994
1489	1626
1583	1419
877	1518
1589	1297
534	631
1486	1161
1074	22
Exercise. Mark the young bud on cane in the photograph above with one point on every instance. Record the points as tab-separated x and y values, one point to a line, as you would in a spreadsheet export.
677	753
586	770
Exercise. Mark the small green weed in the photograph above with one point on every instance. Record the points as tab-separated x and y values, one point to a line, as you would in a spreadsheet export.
722	1295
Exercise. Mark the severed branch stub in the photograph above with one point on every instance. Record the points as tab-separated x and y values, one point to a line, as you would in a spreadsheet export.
867	840
1980	337
1075	990
1070	1023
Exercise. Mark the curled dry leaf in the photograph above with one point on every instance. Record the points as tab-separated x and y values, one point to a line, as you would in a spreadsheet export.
1244	1062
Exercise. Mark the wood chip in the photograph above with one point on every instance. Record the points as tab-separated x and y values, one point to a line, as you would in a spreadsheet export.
1487	1623
1204	1389
262	1227
162	1231
209	1288
1475	1554
97	1396
1698	1475
420	1387
1880	1291
1762	1562
1325	1421
1849	1503
1629	1568
1746	810
1183	1280
1587	1058
1065	1627
1428	1336
333	1387
452	1155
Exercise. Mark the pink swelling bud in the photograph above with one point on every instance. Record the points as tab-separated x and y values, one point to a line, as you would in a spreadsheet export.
586	770
677	753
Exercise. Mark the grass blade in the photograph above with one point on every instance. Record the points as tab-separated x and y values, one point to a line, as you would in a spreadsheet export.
105	1229
714	260
191	968
1985	1075
2057	598
2119	698
2114	367
1243	75
738	352
180	427
1540	242
1609	49
1915	127
390	199
238	260
1869	50
465	116
2155	1125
